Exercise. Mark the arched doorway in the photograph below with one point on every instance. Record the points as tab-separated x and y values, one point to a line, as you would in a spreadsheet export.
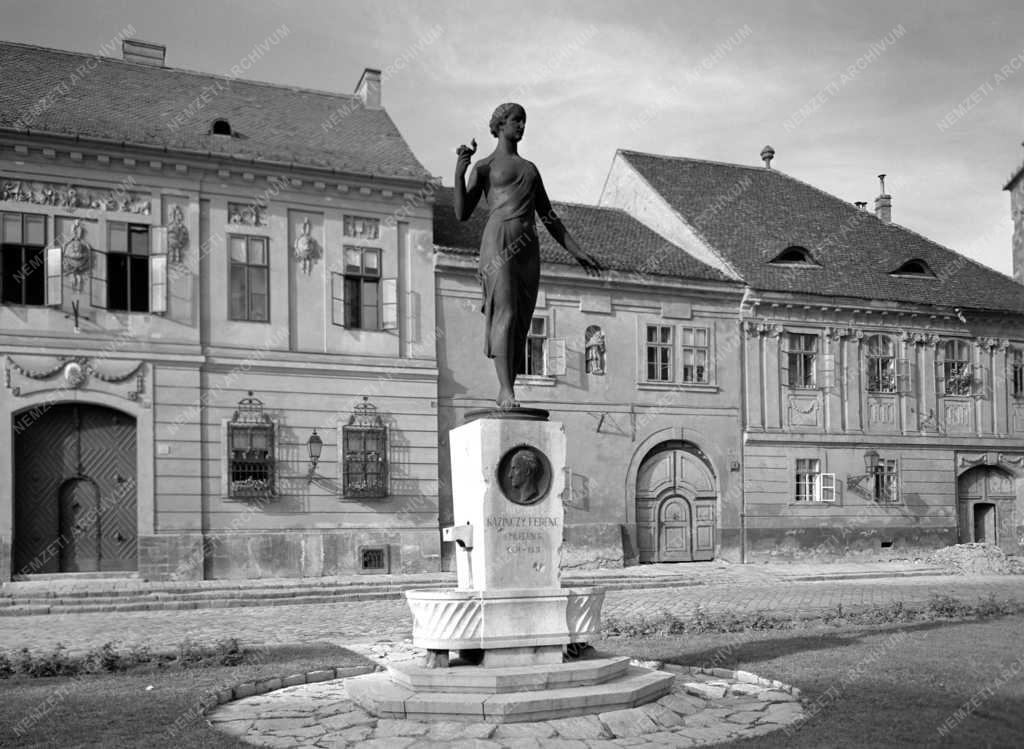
75	491
676	501
985	499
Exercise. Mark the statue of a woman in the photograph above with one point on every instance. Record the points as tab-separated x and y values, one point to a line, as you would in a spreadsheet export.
509	249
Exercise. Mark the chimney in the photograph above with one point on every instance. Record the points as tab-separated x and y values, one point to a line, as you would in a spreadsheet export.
368	88
883	203
767	154
146	53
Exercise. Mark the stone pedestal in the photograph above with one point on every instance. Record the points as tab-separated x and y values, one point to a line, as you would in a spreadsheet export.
509	617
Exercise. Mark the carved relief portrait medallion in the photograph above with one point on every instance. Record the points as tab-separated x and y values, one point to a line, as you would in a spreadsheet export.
524	475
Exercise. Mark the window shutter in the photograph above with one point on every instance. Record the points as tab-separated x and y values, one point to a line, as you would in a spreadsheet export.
940	377
904	376
979	381
827	372
54	276
828	487
554	357
338	299
98	282
389	307
158	284
784	368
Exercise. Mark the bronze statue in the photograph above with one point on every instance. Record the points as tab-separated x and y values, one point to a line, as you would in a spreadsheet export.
510	249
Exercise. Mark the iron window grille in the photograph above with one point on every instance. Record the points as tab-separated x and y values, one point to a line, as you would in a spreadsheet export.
364	454
251	451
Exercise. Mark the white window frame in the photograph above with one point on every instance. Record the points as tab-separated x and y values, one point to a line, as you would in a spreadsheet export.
818	488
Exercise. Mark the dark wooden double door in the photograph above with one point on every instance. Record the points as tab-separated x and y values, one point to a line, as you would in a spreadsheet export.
676	501
75	490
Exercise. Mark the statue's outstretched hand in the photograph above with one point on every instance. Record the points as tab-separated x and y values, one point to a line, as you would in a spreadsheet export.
590	263
464	153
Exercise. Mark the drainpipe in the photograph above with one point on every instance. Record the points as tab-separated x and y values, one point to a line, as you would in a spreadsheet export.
743	427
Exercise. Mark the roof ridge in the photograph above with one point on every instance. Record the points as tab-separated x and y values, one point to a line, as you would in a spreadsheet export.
187	71
693	160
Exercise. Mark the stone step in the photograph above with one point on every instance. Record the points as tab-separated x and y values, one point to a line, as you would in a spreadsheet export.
379	695
18	602
508	679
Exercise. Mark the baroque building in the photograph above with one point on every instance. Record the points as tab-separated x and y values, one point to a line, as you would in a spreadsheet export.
882	401
199	274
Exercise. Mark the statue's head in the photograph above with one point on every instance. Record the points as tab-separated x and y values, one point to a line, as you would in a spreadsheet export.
522	469
502	113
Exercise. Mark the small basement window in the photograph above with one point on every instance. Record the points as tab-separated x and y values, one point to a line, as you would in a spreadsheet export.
794	255
373	559
221	127
915	268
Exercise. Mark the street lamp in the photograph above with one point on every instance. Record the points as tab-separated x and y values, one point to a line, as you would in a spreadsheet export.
315	446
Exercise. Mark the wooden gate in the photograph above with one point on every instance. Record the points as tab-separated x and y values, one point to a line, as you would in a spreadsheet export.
985	500
75	498
676	501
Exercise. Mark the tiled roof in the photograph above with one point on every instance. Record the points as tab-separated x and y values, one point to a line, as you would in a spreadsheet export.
619	241
148	105
748	215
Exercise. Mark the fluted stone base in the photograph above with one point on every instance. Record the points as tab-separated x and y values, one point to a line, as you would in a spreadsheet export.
487	620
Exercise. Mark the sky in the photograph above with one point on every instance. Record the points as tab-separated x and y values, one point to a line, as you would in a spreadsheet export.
929	92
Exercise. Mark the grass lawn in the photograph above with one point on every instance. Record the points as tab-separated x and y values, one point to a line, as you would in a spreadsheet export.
878	686
117	709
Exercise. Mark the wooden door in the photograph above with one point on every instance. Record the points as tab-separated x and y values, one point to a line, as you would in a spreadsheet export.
75	490
674	530
79	540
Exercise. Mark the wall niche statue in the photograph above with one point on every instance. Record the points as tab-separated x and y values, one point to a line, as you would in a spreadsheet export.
177	235
306	247
77	253
595	346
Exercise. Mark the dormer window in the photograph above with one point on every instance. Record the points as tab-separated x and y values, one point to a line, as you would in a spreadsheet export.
795	255
915	268
221	127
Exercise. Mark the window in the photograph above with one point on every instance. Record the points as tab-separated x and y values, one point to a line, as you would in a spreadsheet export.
811	484
914	268
881	363
659	349
250	279
1017	372
801	354
22	258
364	448
536	339
695	355
221	127
250	449
362	288
956	368
794	255
886	481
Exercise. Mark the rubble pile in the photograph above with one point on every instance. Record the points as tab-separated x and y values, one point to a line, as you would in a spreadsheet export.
976	559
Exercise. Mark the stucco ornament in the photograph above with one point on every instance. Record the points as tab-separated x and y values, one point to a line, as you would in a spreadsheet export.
74	375
177	235
305	247
76	253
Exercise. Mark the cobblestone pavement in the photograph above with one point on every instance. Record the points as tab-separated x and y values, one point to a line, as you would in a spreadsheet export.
360	621
701	709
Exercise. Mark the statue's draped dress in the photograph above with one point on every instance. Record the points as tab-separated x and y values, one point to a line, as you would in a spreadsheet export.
510	267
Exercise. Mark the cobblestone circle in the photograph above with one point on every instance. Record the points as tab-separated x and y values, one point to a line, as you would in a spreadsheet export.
704	707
